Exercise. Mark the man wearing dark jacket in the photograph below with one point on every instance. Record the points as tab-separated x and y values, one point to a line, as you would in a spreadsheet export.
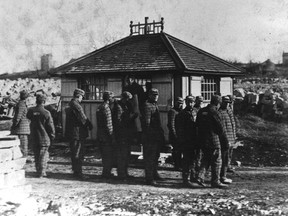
123	123
77	126
210	132
186	131
21	124
153	137
42	133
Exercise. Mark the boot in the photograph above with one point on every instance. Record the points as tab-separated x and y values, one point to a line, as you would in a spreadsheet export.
219	185
151	182
226	181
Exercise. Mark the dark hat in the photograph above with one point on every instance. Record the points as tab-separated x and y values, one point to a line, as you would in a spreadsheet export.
190	98
78	92
40	98
226	99
179	100
199	98
232	97
23	94
107	95
153	91
126	95
216	99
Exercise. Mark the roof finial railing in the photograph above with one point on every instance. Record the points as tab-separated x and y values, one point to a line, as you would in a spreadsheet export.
147	28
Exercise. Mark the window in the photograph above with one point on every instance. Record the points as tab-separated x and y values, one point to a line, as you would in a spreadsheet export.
142	82
209	87
94	86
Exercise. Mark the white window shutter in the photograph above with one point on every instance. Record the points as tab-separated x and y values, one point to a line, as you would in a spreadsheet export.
196	85
226	86
185	87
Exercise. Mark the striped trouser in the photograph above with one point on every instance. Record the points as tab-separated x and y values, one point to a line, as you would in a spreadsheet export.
211	157
24	144
41	156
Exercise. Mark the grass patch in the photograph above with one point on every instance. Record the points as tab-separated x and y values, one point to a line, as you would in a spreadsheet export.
265	142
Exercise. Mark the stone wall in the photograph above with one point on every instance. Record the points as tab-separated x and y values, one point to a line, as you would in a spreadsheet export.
12	173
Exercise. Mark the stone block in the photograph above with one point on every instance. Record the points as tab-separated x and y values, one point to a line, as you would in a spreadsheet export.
15	194
13	165
6	154
16	153
14	179
10	143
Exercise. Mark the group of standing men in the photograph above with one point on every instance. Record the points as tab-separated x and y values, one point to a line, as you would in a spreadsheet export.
202	138
116	130
37	124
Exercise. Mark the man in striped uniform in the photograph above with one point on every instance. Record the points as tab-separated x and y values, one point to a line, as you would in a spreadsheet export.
42	133
153	137
172	114
229	129
210	132
77	126
21	124
105	134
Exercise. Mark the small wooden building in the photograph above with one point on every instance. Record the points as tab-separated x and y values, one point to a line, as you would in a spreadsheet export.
173	66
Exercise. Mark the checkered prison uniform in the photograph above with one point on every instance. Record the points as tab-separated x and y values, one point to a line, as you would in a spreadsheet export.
176	151
210	130
42	132
230	133
152	139
105	135
21	126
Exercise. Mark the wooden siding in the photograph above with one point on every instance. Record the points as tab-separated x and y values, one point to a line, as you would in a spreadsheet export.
115	85
164	83
68	86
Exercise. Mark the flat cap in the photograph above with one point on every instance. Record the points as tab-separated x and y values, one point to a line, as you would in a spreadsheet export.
216	99
126	95
190	98
78	92
40	98
179	100
199	98
226	99
153	91
107	95
23	94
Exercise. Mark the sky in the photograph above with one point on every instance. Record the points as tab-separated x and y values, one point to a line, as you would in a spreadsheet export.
235	30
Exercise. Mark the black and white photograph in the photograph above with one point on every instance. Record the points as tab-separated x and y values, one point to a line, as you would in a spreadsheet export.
143	107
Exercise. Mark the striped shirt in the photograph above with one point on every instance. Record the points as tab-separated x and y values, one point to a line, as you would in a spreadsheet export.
104	118
228	125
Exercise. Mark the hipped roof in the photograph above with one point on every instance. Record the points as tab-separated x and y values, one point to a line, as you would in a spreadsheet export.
151	52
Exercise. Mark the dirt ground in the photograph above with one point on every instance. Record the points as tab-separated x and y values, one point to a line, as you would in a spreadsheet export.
254	191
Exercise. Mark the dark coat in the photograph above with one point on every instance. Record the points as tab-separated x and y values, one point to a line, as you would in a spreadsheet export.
210	128
42	127
76	121
21	125
186	126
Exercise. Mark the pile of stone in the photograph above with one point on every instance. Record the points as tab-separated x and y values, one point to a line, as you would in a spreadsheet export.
12	174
